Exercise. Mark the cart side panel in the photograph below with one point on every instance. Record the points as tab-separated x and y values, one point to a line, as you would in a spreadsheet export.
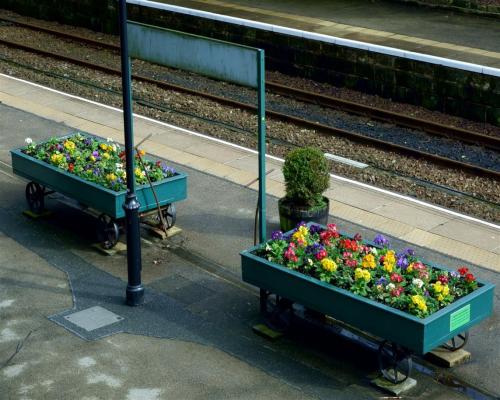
357	311
62	182
168	191
459	317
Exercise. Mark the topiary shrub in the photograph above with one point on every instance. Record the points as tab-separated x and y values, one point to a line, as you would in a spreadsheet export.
307	176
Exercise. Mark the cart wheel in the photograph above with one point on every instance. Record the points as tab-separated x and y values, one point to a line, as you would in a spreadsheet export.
35	197
108	232
457	342
170	215
394	362
280	317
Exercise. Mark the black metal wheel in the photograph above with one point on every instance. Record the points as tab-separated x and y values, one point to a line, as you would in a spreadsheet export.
108	231
35	197
169	214
457	342
279	318
394	362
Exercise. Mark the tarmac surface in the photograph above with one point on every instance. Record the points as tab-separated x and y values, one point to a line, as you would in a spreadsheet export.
439	32
192	338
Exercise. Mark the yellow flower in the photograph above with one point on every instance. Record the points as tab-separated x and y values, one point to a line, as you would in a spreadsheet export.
410	268
446	290
362	274
69	145
104	146
328	264
92	158
419	302
137	171
438	287
389	261
111	177
368	261
106	156
56	158
440	297
388	267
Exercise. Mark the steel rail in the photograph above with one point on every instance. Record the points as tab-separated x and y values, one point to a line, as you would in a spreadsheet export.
474	169
375	113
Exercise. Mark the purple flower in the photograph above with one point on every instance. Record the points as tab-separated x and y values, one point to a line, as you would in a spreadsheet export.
95	153
87	142
381	281
381	240
409	252
454	274
301	223
277	235
68	157
96	171
314	229
402	261
59	147
426	293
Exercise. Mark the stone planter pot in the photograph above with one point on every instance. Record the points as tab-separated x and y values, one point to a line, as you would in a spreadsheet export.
291	215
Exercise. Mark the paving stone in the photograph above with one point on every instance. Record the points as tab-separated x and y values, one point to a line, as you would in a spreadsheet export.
265	331
448	359
394	389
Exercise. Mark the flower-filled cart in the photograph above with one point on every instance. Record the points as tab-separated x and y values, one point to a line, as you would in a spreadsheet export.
91	170
414	306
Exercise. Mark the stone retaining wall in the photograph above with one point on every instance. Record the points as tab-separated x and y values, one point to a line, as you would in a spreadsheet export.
458	92
489	8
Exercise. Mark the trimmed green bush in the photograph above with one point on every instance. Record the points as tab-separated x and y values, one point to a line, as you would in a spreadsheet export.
307	176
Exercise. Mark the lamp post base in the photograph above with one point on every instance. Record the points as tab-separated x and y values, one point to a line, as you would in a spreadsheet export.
135	295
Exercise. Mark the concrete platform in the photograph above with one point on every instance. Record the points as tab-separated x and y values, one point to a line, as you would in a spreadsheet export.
193	337
404	218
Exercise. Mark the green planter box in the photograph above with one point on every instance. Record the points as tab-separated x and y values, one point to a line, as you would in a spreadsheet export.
95	196
417	334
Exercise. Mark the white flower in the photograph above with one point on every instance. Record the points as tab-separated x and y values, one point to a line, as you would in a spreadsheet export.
109	140
418	282
114	147
374	250
390	286
28	140
268	247
310	262
119	166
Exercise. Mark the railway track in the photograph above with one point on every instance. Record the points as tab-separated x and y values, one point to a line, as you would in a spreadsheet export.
309	97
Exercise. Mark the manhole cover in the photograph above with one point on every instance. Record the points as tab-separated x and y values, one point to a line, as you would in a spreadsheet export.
93	318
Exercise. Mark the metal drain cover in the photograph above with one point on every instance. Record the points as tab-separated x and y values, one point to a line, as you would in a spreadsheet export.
93	318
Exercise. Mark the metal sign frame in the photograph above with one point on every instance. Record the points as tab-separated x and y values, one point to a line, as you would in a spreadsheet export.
216	59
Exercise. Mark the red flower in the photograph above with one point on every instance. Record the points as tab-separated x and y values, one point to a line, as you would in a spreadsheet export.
321	254
469	278
443	279
463	270
397	291
357	237
396	277
382	259
71	167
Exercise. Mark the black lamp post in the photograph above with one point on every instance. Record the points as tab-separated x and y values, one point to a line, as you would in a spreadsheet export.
135	290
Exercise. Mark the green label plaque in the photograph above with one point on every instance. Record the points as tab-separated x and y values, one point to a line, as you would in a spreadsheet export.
459	317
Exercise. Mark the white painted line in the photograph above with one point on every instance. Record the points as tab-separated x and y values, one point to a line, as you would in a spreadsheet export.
392	51
347	161
270	157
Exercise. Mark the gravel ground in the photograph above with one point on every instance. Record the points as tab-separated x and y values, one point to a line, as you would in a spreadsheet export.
237	125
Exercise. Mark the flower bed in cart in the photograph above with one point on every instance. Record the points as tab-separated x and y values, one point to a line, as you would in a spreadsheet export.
91	170
413	305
